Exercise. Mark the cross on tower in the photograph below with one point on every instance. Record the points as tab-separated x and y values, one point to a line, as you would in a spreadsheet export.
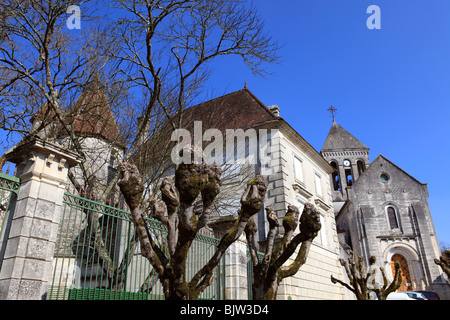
332	111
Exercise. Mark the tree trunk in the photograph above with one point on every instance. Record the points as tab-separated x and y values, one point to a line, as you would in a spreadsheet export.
269	273
191	181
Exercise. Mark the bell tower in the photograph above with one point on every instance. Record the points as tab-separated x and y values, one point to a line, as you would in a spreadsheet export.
348	155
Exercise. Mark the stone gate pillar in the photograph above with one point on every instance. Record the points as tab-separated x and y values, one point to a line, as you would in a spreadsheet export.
236	282
42	167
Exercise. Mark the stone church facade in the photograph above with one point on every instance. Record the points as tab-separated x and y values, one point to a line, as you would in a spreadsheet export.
382	211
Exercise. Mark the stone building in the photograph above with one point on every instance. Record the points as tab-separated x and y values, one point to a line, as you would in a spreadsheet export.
296	173
301	176
96	132
382	211
374	207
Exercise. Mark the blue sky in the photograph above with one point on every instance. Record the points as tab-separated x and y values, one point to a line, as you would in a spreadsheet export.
391	86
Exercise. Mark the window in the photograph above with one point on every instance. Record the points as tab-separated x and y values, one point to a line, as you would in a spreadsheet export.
318	181
112	158
384	177
335	176
361	166
300	205
392	217
323	232
298	169
111	174
112	170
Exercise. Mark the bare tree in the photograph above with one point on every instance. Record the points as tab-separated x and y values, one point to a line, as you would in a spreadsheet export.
382	291
153	53
176	211
362	280
164	48
269	272
150	57
44	68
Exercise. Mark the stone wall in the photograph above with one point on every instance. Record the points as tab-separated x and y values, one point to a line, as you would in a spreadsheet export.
313	279
27	262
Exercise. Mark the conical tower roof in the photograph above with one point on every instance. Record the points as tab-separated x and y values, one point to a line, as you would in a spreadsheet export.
93	114
90	115
339	139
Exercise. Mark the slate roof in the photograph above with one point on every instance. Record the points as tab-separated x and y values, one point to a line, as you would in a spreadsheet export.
339	139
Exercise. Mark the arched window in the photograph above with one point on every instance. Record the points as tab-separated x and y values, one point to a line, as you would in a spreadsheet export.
335	176
361	166
392	217
348	172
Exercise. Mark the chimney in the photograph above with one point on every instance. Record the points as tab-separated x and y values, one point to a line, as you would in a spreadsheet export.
275	110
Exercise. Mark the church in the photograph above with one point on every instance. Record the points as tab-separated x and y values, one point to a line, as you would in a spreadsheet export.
382	211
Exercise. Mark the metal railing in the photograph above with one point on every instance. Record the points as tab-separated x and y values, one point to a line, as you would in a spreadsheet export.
97	256
250	276
8	186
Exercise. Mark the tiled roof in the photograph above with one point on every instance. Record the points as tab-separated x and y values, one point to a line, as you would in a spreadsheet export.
239	109
93	115
90	115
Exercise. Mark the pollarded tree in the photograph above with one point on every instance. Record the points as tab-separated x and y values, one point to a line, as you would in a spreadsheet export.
176	211
362	280
357	274
444	262
383	291
269	272
152	57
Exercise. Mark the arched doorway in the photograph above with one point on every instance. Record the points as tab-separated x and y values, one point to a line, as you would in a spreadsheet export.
406	276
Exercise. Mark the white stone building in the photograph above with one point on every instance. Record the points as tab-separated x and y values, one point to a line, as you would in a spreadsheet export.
302	175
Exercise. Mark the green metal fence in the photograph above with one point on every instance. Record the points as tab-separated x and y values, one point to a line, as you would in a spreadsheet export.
9	185
97	256
250	277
